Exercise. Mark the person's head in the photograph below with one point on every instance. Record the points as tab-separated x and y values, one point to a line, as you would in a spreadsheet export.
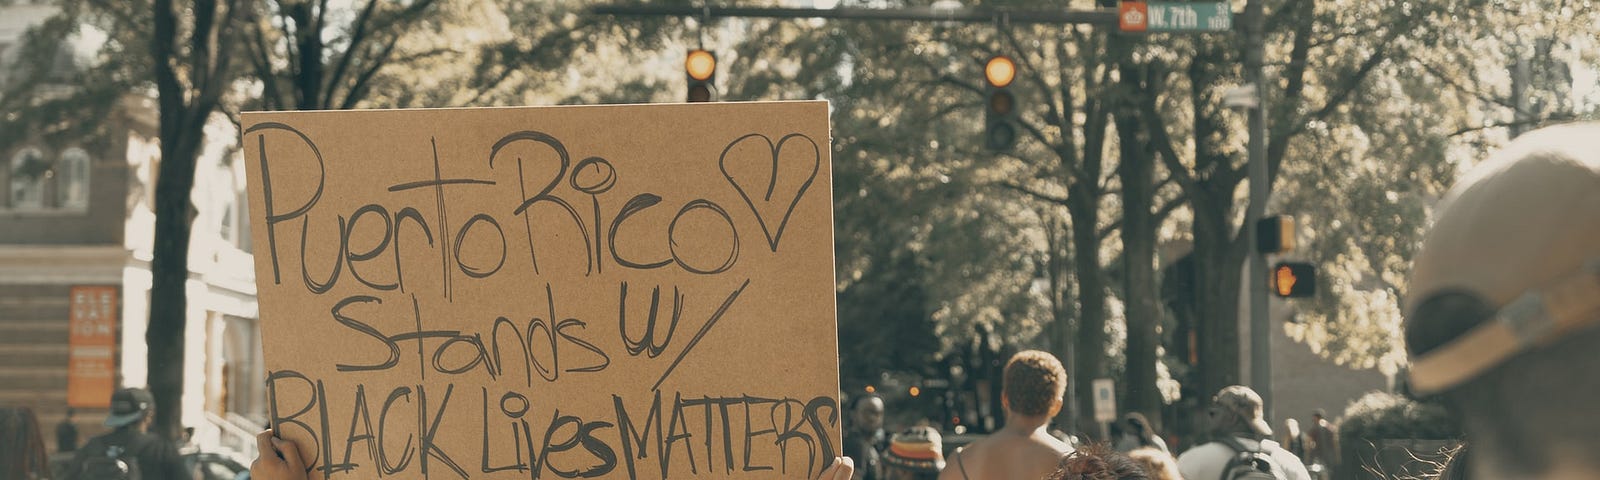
1137	425
1237	410
1503	303
915	454
867	413
1033	385
22	451
1319	415
1098	462
1157	464
1291	427
70	412
131	408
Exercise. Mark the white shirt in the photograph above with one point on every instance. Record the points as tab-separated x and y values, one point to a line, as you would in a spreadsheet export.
1206	462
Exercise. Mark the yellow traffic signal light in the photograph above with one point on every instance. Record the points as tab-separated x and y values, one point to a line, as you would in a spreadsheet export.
1000	71
1000	120
1294	279
915	391
700	67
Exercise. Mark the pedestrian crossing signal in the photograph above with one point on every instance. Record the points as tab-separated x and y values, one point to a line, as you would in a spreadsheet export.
1294	279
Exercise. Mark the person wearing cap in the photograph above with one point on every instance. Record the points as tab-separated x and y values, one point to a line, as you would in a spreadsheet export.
1237	423
1031	391
132	411
1503	303
915	454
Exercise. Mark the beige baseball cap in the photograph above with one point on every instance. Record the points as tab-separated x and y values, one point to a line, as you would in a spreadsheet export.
1512	260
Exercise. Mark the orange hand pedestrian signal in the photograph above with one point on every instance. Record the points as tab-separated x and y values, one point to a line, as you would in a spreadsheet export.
1285	280
1294	279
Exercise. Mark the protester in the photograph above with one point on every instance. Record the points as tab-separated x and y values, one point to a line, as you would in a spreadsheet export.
130	445
1031	391
67	433
915	454
22	451
1136	433
1158	464
1292	438
1098	462
279	459
1502	305
1324	444
1237	426
864	437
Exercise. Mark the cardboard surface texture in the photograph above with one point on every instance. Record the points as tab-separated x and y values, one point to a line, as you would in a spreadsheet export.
639	291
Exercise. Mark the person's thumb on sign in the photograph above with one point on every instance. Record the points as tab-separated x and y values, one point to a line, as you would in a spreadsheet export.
841	469
277	459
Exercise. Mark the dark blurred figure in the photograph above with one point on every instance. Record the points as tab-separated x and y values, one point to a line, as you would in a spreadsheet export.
865	440
67	433
915	454
1136	433
129	451
1324	441
22	452
1237	427
1031	395
1502	308
1099	462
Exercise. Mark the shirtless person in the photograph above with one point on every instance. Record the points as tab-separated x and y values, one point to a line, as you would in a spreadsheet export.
1034	383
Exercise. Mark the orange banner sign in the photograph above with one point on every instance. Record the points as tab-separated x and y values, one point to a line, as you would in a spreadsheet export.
91	360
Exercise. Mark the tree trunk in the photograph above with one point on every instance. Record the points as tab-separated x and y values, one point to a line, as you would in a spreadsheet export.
1090	352
1143	313
1218	264
169	274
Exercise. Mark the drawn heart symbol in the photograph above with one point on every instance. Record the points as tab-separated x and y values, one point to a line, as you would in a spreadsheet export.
774	149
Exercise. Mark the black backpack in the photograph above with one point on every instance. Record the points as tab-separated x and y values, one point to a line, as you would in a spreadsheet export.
107	460
1250	464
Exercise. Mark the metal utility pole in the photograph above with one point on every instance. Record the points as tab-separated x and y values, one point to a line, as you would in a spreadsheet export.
924	14
1260	327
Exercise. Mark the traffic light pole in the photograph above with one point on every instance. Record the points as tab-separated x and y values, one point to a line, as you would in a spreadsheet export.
925	14
1260	326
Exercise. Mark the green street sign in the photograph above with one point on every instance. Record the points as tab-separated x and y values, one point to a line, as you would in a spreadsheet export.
1175	17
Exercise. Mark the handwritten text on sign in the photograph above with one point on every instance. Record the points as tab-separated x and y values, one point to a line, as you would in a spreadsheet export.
575	292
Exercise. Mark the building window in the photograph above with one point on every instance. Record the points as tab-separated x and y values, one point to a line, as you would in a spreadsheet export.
73	179
28	173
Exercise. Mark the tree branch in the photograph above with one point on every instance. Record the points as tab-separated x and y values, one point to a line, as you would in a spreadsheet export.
357	37
1033	193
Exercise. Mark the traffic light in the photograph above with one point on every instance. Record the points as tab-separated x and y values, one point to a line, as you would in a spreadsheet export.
1000	124
700	68
1294	279
1275	234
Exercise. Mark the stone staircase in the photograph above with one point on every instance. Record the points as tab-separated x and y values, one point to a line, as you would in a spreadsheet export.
33	357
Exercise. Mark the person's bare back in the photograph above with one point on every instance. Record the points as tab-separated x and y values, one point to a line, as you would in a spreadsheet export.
1007	455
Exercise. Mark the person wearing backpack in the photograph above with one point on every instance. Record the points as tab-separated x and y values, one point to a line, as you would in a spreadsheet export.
1242	449
130	451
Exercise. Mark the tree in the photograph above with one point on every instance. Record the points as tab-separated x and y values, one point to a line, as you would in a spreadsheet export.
190	56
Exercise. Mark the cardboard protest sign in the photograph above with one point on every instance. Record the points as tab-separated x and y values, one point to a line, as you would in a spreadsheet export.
599	291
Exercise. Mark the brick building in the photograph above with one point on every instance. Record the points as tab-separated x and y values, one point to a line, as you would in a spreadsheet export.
77	217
